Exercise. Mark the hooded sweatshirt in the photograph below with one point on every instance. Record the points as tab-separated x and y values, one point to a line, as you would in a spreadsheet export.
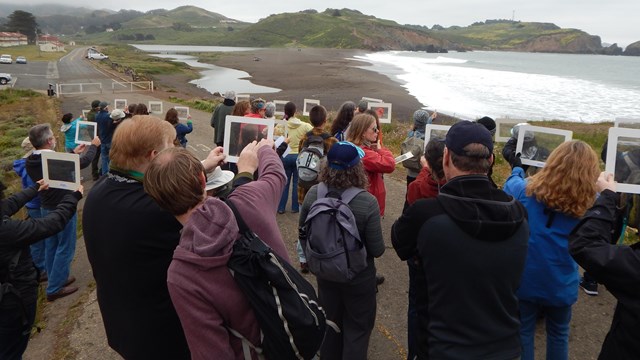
204	293
296	130
471	241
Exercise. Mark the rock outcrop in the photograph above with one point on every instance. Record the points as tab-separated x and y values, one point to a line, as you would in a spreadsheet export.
632	49
576	42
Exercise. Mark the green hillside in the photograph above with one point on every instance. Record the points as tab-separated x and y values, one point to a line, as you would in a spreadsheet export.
191	15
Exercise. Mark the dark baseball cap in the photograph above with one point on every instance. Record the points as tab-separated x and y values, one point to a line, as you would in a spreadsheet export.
464	133
95	104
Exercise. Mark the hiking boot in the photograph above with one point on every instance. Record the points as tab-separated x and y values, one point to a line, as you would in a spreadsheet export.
67	290
304	268
70	280
379	279
589	287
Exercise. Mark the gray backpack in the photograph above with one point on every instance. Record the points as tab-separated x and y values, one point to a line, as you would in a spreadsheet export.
333	246
415	145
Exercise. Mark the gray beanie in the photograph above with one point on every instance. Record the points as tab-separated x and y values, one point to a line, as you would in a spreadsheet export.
420	118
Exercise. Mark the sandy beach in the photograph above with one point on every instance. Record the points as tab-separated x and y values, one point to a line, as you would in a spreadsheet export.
324	74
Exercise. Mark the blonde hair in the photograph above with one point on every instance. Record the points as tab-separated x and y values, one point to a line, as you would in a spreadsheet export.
567	182
135	138
359	126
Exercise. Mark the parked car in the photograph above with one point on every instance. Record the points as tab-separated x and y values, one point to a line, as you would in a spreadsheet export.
5	78
21	60
96	56
6	59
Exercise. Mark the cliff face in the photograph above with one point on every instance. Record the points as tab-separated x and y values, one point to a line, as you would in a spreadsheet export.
633	49
575	43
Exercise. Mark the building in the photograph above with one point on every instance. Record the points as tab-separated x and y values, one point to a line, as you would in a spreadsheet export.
51	46
12	39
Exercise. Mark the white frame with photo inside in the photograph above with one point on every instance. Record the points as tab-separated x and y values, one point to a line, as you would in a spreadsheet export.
60	184
79	124
118	102
182	110
500	122
154	104
522	130
282	103
430	127
306	108
231	119
387	118
612	149
240	97
621	121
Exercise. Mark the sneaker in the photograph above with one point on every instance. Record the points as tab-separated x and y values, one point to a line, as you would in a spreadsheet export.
304	268
67	290
280	212
589	287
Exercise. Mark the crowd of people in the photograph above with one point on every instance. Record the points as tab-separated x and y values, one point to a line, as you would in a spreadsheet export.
484	263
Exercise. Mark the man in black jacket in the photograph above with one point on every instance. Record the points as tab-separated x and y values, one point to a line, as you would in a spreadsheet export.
220	114
18	275
592	245
471	241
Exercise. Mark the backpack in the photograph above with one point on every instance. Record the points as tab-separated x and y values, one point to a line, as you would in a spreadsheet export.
291	321
415	145
309	158
332	243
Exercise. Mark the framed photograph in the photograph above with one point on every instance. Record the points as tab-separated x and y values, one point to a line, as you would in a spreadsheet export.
368	99
120	104
240	131
84	113
183	112
383	110
155	107
279	107
629	123
280	129
503	128
435	132
61	170
535	143
308	104
240	97
623	157
86	131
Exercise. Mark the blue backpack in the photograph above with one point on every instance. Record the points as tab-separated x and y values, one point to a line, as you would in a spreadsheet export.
332	243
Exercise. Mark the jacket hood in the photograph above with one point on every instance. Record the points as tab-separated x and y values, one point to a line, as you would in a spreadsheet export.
208	236
294	123
229	102
480	210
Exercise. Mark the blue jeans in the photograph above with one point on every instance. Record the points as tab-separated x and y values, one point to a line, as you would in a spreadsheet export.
104	154
557	322
59	251
291	170
37	249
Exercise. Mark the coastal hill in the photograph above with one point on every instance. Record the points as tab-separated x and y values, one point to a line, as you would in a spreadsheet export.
332	28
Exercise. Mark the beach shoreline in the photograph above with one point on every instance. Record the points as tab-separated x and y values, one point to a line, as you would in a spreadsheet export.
332	76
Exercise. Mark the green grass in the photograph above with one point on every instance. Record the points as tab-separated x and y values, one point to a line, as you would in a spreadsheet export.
32	53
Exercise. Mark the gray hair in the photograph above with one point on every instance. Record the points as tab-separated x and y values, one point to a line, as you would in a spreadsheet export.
39	135
269	109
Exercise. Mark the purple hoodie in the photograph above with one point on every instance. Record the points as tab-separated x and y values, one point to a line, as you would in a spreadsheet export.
204	293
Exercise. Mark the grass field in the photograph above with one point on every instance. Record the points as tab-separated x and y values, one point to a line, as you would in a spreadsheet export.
32	53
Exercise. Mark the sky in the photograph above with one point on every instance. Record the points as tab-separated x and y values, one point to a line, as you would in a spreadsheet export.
613	20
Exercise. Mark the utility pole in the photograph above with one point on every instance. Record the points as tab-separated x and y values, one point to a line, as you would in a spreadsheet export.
513	15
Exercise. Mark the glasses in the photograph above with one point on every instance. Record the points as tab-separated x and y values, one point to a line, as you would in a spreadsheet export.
374	129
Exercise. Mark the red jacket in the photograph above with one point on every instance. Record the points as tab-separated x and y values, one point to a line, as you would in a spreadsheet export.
376	163
423	187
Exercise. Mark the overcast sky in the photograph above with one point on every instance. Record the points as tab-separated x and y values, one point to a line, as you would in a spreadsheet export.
615	21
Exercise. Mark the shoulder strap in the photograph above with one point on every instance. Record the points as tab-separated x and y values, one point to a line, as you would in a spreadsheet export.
325	136
247	345
350	193
322	190
242	226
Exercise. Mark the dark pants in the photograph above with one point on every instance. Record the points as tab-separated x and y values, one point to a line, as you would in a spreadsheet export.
95	168
15	329
353	308
410	179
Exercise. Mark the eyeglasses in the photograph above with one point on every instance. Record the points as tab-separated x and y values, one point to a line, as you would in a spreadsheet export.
374	129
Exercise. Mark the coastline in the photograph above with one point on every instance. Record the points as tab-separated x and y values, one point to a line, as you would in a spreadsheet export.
329	75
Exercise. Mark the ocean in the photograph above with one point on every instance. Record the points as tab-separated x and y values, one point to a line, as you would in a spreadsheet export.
531	86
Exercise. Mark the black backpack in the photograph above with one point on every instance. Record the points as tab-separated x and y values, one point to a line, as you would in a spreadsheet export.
291	321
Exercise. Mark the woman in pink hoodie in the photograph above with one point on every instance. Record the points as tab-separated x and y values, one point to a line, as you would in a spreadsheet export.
204	293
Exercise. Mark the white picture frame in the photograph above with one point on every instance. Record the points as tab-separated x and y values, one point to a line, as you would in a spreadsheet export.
503	128
233	130
82	137
524	129
183	112
368	99
432	131
613	143
279	107
85	113
386	116
61	170
155	107
120	104
240	97
628	123
308	104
